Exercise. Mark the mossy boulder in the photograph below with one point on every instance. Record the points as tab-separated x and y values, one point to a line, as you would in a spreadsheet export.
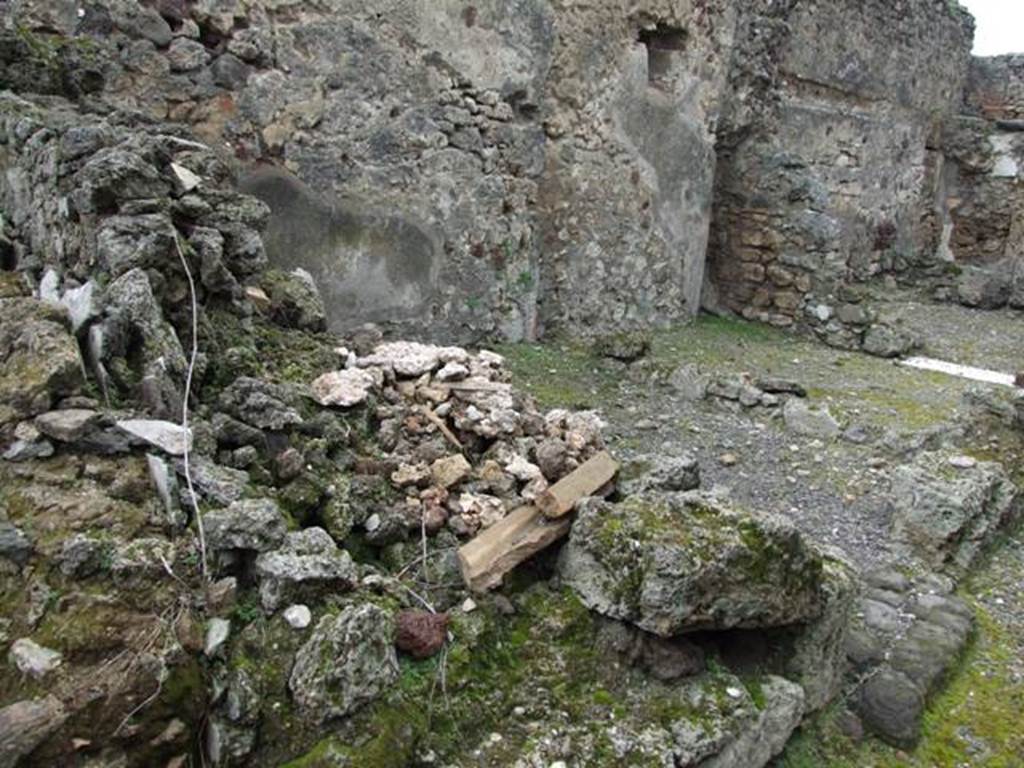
40	358
677	563
295	301
348	662
816	654
948	514
625	346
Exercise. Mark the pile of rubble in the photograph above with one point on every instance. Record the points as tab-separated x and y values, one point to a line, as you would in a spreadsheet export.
462	447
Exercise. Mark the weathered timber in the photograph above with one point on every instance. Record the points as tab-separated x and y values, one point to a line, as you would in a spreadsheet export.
514	539
588	479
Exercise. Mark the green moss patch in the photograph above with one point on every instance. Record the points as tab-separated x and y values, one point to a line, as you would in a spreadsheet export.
264	350
502	674
974	721
856	386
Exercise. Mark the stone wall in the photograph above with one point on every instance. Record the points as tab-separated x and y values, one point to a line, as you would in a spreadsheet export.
834	185
98	213
515	168
995	87
455	170
983	187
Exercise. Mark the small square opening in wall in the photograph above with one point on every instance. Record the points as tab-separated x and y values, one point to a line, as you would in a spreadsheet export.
663	44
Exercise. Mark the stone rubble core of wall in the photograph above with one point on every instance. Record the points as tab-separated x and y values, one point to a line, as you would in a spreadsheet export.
465	171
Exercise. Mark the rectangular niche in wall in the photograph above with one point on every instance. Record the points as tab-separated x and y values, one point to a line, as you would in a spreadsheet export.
664	44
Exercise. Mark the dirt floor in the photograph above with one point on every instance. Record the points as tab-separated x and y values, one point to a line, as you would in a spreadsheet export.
835	489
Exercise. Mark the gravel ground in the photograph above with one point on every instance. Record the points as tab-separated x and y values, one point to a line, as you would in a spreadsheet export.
985	339
830	491
834	490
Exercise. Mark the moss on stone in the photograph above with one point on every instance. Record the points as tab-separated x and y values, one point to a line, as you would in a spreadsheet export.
261	349
497	663
981	701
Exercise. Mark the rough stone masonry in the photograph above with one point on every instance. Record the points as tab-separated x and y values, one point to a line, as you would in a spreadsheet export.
515	168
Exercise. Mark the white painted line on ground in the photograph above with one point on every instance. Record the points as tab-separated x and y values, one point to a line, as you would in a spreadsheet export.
963	371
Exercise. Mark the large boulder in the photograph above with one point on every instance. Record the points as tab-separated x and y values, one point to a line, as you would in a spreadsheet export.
39	359
678	563
714	721
816	657
891	707
778	716
948	513
253	524
903	641
985	287
348	662
295	300
308	565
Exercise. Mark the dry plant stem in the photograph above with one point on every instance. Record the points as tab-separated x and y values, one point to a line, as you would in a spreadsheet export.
423	541
184	408
419	559
422	600
142	706
438	422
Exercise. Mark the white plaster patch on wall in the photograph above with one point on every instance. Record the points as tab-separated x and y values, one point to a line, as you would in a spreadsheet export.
1006	165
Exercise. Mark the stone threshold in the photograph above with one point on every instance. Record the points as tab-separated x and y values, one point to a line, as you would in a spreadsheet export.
963	371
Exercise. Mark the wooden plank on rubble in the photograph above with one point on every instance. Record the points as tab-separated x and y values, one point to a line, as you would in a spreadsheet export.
588	479
512	540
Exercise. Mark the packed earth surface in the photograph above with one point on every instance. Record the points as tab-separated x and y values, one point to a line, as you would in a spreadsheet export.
533	384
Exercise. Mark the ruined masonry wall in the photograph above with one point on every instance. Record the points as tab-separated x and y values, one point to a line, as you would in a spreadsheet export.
452	170
835	184
461	170
985	181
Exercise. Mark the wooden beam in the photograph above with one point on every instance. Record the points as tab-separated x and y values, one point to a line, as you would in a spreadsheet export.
518	536
559	500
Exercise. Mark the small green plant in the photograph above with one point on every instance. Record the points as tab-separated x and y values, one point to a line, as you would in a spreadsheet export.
191	559
247	609
106	557
524	280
